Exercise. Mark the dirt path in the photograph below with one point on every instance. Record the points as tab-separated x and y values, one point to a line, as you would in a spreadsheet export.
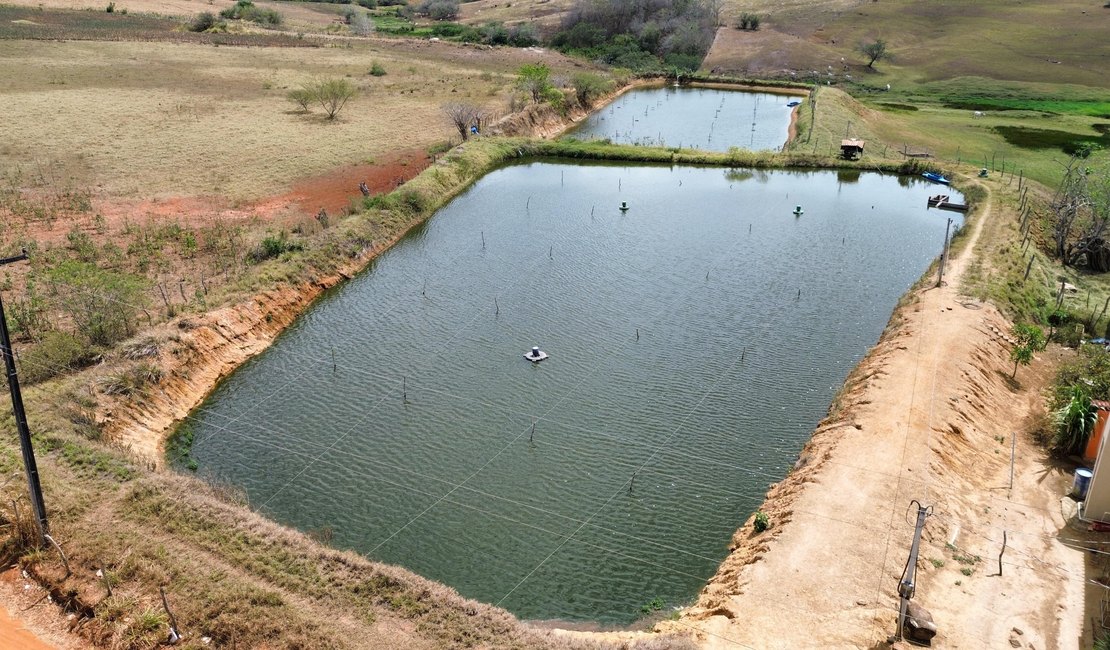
927	416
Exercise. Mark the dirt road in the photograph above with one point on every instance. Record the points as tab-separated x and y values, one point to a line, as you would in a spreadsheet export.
928	416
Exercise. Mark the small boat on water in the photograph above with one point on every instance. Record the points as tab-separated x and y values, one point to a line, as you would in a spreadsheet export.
937	178
793	104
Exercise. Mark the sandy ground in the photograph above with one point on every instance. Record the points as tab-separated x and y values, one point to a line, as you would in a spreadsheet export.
928	416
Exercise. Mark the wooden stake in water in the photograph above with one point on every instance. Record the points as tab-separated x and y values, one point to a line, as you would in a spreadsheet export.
334	367
551	253
404	389
424	291
749	228
532	435
637	333
799	296
632	483
743	353
527	204
496	307
483	240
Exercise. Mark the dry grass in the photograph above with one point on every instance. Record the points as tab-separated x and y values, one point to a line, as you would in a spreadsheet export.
161	119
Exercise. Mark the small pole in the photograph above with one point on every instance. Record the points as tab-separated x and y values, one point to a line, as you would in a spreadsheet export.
592	207
707	275
632	483
749	228
551	253
483	240
404	389
1001	552
799	296
424	291
944	254
527	203
637	333
743	353
174	635
496	307
334	366
1013	451
532	435
1029	268
29	464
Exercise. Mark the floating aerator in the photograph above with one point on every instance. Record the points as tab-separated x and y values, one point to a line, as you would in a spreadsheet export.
797	211
624	206
535	355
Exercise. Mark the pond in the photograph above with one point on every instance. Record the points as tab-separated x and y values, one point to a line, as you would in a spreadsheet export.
695	340
692	117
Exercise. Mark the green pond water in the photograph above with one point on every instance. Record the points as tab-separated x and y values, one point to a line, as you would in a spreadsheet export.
692	117
695	341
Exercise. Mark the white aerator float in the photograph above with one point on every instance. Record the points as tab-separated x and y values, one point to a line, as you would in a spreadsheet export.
535	355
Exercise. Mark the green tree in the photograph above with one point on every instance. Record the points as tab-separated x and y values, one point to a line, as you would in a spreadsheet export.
1029	339
333	95
535	79
102	304
1074	422
589	86
874	51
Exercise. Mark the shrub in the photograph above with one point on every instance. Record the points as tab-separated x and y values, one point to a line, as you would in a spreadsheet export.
762	522
246	10
361	25
303	97
204	21
748	21
377	70
274	246
102	304
439	9
589	86
111	7
57	353
523	35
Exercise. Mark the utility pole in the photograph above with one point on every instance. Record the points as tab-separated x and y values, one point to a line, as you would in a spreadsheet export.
944	253
21	416
907	585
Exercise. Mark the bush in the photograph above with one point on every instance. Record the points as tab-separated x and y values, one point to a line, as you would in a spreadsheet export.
245	10
271	247
111	7
588	87
360	24
524	35
204	21
304	97
762	522
57	353
377	70
439	9
748	21
102	304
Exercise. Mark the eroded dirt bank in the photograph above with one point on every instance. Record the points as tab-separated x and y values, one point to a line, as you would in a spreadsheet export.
928	415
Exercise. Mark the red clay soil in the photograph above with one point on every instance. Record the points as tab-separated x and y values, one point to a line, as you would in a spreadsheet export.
332	191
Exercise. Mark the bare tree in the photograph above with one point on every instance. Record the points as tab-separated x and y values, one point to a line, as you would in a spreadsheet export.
1081	217
875	51
464	116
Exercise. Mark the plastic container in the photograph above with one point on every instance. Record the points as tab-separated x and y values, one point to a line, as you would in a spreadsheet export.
1082	483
